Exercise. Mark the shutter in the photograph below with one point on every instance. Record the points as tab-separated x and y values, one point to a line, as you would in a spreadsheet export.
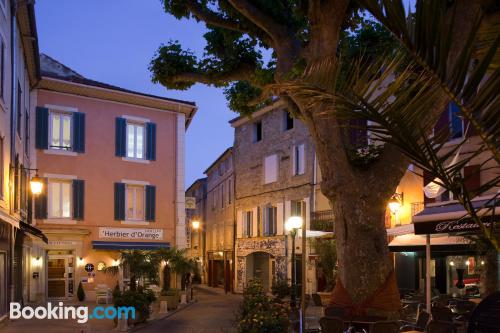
151	141
79	132
121	137
41	201
119	201
255	223
472	177
42	128
150	202
428	177
301	159
78	198
270	168
239	224
288	212
306	213
279	218
442	127
358	132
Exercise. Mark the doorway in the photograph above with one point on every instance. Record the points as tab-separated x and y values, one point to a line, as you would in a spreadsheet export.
60	276
261	266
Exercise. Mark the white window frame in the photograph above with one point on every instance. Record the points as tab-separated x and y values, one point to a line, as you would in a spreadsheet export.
50	198
299	156
135	217
135	124
268	176
61	130
266	224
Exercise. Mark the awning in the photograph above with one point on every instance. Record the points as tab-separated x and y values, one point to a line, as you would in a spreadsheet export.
105	245
34	231
315	234
451	217
401	230
413	243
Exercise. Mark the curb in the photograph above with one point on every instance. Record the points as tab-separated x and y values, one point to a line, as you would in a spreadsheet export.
167	315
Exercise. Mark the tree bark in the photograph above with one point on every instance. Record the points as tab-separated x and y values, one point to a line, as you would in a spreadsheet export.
490	273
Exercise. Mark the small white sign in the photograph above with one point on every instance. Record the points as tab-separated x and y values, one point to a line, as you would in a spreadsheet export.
131	233
190	203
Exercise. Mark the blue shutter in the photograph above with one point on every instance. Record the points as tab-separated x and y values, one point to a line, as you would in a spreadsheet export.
42	128
119	201
79	132
121	137
151	141
150	202
41	201
78	198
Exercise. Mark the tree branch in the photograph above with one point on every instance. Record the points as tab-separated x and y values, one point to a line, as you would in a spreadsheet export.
212	18
245	72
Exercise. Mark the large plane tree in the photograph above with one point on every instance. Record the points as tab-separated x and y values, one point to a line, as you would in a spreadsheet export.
255	47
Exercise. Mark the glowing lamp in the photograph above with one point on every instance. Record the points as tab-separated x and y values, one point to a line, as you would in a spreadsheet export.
294	222
195	225
36	185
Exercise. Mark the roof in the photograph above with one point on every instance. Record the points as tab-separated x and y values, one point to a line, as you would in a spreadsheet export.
196	182
61	78
29	39
238	121
219	159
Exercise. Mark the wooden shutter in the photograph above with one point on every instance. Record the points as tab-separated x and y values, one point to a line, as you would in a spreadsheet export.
41	201
150	202
121	137
255	222
78	199
302	158
472	176
151	141
119	201
279	218
239	224
42	128
270	169
79	132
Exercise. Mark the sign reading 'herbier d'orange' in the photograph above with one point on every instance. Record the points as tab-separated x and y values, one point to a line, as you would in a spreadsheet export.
131	233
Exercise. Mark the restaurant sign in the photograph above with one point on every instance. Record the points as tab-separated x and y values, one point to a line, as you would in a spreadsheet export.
131	233
449	226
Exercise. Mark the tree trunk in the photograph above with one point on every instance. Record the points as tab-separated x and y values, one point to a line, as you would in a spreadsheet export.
490	273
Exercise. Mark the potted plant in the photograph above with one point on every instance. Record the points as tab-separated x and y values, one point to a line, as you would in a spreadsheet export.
80	293
139	300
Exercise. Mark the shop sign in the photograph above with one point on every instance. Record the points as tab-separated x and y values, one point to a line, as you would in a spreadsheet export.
89	268
131	233
190	203
60	243
450	226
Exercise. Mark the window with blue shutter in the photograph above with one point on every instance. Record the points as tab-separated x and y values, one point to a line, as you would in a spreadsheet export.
151	141
119	201
79	132
120	137
78	198
150	203
41	201
42	128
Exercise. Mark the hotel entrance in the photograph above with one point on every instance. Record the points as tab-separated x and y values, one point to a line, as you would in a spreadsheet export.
60	275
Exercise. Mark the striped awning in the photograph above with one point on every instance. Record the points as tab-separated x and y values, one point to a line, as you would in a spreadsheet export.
105	245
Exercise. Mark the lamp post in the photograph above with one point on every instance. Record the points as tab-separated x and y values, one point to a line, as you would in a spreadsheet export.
292	225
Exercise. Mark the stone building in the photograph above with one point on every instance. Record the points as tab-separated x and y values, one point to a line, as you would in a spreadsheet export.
275	173
220	221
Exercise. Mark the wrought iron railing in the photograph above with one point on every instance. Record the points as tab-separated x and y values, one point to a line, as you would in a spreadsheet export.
417	207
322	220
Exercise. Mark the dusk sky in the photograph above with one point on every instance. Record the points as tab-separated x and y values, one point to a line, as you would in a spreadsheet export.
113	41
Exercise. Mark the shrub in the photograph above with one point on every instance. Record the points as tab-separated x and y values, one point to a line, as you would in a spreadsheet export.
80	293
280	289
139	300
260	313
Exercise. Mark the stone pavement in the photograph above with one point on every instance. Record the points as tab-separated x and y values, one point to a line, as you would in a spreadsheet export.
214	312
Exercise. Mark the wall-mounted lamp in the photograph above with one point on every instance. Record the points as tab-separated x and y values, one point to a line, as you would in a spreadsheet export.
37	261
452	263
115	262
195	225
80	261
36	185
396	202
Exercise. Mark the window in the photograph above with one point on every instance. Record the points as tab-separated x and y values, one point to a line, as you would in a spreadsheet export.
229	191
247	223
298	160
2	67
297	208
135	140
456	123
214	198
270	169
135	202
222	196
270	213
60	130
59	198
19	108
257	131
287	121
27	133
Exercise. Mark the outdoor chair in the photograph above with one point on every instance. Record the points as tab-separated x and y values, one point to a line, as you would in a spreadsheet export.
385	327
333	311
486	315
331	325
317	300
102	291
438	326
422	320
442	313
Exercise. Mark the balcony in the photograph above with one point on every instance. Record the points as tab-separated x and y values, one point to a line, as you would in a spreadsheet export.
322	220
417	207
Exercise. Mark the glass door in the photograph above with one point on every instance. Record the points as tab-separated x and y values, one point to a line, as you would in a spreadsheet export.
60	277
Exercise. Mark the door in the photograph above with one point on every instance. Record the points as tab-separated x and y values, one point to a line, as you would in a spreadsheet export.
3	283
60	277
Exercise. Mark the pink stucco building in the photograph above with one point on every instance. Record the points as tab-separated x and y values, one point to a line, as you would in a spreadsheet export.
112	161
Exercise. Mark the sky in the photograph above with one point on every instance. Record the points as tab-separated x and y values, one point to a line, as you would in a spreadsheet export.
113	41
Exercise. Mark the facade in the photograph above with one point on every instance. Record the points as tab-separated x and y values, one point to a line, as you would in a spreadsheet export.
220	221
112	161
422	213
197	192
274	168
19	240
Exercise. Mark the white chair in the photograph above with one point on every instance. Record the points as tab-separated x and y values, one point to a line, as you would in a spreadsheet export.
102	291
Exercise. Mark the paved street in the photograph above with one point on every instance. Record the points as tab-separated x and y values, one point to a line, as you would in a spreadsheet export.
213	313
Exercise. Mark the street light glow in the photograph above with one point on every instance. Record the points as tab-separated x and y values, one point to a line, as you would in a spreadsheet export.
394	205
36	185
294	222
195	225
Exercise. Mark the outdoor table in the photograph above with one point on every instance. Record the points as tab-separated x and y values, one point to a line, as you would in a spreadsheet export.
363	322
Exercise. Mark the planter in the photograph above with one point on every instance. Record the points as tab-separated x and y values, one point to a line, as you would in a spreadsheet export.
172	299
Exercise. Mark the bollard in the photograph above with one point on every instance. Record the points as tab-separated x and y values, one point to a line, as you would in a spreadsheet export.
163	307
122	325
183	298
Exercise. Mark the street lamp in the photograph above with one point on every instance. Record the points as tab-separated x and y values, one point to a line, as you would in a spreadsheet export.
36	185
195	224
292	225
